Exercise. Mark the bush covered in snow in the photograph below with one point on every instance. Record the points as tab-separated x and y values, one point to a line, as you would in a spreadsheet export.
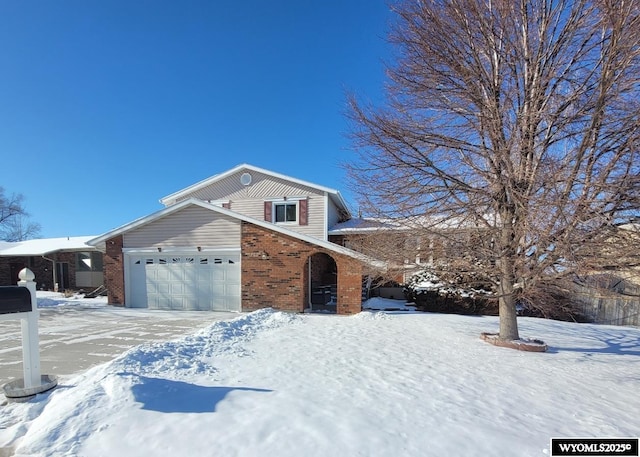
452	292
447	290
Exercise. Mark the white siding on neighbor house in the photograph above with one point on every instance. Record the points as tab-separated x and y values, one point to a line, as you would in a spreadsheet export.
249	200
89	278
189	227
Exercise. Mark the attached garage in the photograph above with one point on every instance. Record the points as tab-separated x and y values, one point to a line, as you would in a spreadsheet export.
198	256
208	281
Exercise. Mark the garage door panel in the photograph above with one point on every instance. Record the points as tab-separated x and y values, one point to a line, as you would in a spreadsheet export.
232	289
218	289
208	281
176	288
217	274
160	288
233	275
158	274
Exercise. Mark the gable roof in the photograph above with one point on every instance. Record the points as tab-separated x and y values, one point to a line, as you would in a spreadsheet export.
335	195
218	209
45	246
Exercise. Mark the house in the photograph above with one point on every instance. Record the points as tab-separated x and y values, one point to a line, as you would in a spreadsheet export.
58	263
241	240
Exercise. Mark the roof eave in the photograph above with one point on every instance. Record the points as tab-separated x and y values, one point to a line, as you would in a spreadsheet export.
269	226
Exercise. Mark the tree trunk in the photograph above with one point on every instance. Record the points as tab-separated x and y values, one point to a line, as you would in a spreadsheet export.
506	301
507	308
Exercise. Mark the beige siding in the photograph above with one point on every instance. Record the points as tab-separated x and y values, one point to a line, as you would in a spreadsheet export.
333	215
189	227
249	200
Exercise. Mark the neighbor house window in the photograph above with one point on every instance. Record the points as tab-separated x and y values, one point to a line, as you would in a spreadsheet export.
89	261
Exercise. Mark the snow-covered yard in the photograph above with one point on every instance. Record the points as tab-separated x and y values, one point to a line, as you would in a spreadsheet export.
373	384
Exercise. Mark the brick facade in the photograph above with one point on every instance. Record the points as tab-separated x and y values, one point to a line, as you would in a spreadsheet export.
42	269
274	273
114	270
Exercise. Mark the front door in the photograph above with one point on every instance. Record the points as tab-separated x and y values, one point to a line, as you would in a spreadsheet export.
62	275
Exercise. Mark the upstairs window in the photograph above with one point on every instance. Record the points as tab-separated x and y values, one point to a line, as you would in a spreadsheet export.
285	212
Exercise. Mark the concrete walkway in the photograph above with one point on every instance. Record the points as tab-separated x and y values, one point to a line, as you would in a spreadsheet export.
75	338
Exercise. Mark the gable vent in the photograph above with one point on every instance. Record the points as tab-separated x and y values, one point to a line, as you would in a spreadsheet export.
245	179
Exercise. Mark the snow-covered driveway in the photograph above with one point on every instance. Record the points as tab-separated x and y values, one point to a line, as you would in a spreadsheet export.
77	333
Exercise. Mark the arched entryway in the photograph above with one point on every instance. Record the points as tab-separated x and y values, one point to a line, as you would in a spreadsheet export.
321	283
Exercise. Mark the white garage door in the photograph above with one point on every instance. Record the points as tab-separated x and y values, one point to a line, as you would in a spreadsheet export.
175	281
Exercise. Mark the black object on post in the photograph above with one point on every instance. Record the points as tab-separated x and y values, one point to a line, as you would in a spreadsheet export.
15	299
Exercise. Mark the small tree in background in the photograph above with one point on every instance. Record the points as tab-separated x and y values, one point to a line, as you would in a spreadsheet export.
517	119
14	220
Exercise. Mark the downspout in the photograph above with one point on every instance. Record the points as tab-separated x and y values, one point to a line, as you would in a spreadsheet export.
55	273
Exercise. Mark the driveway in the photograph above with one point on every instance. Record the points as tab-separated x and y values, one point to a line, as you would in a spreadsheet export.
77	333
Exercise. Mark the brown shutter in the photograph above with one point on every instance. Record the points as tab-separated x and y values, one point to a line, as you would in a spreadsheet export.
268	208
303	206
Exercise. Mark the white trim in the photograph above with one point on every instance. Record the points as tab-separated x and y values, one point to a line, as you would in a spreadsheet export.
175	249
126	261
285	199
325	226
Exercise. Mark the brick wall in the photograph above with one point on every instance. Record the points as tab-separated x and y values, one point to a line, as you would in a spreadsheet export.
11	266
273	272
114	271
42	269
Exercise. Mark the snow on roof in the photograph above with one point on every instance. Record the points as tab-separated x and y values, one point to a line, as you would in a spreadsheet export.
365	224
372	224
45	246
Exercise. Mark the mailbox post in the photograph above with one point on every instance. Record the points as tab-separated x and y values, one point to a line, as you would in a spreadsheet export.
20	303
30	337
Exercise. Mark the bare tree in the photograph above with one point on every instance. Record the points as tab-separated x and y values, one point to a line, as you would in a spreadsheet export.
14	220
519	118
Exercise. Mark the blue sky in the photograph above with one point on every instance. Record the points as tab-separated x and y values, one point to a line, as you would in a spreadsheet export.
107	106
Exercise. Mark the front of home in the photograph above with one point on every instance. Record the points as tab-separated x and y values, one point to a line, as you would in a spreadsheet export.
58	263
241	240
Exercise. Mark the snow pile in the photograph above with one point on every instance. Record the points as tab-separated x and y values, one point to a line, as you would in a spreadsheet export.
56	299
193	355
375	384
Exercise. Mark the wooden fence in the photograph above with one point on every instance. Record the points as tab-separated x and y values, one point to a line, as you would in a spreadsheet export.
612	307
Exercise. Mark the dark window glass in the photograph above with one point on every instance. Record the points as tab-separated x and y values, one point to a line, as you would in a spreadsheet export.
286	212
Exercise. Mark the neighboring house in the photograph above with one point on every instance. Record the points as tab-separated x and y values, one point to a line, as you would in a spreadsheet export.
242	240
58	263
